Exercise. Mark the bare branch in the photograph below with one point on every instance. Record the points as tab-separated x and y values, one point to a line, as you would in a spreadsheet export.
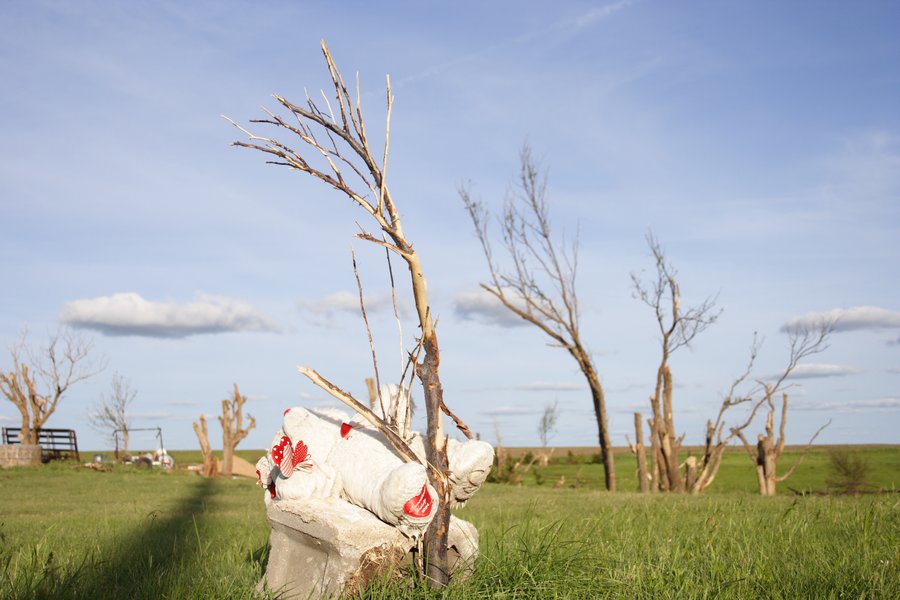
805	451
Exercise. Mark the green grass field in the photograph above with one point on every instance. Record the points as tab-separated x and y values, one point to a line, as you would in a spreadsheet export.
70	532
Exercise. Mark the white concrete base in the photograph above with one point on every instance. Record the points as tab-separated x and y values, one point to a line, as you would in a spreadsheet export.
323	548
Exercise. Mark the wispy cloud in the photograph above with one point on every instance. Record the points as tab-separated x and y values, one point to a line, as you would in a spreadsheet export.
151	415
130	314
847	319
510	411
595	15
819	370
887	404
183	403
483	307
564	26
536	386
348	302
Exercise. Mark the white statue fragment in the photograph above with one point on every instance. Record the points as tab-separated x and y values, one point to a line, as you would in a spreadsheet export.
327	453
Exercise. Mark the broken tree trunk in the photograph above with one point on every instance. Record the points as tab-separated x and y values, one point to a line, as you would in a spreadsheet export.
232	431
640	454
210	463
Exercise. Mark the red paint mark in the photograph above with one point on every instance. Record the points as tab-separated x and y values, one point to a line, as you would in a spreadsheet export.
301	456
272	489
286	411
346	428
419	506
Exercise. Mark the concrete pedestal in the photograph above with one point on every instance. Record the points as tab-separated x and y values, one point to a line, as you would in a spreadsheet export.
328	547
324	548
17	455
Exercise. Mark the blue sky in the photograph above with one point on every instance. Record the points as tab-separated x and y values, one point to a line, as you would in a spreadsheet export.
760	142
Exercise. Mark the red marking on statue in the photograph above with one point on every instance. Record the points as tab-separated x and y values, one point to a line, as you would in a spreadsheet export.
272	489
346	428
302	459
283	456
258	478
286	411
419	506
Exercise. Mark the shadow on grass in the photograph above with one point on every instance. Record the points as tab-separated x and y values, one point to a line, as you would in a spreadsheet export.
160	558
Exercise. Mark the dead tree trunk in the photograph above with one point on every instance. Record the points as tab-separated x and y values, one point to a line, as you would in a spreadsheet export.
210	463
231	421
640	454
804	341
769	448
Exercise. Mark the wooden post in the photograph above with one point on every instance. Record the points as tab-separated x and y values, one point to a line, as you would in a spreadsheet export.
641	454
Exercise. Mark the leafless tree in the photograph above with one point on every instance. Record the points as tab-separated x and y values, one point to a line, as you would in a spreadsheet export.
546	430
678	326
540	285
231	421
111	415
547	424
41	376
338	153
803	341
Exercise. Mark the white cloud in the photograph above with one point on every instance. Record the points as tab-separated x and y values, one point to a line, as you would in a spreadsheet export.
151	415
183	403
130	314
484	307
818	370
5	418
874	405
348	302
535	386
510	411
847	319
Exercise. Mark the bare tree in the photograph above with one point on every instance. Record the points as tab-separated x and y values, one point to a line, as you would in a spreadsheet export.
803	342
210	462
111	415
40	377
678	326
338	153
540	286
547	424
231	421
546	430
